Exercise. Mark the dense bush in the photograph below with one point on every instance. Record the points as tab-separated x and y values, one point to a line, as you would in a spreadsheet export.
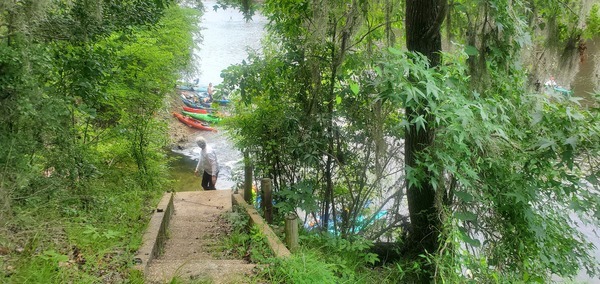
82	156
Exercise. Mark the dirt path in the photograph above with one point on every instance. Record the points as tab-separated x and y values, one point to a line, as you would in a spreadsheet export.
191	253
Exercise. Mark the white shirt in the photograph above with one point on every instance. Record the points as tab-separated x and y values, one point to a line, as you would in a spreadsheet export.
550	83
208	161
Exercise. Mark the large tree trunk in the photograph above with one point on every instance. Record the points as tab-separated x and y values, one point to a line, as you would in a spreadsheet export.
423	21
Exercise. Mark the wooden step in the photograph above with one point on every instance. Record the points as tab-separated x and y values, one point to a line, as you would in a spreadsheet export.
209	271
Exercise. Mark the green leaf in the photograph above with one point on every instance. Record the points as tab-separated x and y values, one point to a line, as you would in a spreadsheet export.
539	231
110	234
404	123
464	196
523	40
518	197
54	256
465	216
471	50
409	95
576	206
537	117
545	143
434	183
420	122
338	99
571	141
467	239
395	51
432	89
354	88
483	114
419	92
593	178
411	177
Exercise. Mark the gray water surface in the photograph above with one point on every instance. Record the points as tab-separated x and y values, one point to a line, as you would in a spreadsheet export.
226	38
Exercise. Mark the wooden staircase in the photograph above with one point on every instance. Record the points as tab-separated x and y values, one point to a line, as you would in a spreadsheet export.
191	252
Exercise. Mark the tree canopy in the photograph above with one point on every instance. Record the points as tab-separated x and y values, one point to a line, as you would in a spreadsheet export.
501	171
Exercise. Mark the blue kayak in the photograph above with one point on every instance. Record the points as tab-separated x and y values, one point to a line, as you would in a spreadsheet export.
197	105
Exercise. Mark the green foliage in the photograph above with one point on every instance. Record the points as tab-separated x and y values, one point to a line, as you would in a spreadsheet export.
238	242
97	233
592	23
82	150
248	7
326	259
561	20
303	267
259	249
237	219
50	267
511	169
509	166
264	115
347	257
293	100
81	21
246	241
300	196
558	21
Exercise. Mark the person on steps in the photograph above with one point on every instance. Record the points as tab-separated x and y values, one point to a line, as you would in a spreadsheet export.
208	164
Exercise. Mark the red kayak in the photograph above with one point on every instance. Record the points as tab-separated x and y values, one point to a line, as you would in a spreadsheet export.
193	123
194	110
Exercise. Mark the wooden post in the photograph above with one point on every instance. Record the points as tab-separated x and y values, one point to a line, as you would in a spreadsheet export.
248	179
267	199
291	231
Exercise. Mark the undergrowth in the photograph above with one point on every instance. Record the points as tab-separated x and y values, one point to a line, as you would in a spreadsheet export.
82	158
321	258
246	242
89	239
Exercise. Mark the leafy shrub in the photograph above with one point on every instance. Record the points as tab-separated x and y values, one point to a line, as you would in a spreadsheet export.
246	241
304	267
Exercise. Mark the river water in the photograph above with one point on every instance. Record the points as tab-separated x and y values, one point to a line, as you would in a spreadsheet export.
226	37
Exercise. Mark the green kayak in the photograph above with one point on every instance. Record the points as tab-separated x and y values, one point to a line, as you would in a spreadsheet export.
203	116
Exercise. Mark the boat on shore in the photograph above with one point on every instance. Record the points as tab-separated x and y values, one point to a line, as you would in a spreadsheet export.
203	117
194	110
191	122
191	86
196	105
222	102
